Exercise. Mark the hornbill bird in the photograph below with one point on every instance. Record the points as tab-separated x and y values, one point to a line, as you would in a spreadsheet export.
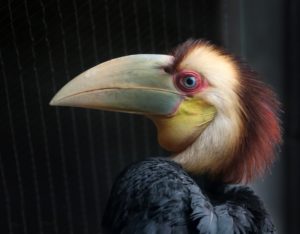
219	122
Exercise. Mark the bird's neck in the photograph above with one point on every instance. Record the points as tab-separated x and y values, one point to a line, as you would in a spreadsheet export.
213	150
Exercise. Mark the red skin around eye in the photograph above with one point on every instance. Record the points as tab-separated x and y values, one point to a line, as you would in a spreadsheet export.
178	77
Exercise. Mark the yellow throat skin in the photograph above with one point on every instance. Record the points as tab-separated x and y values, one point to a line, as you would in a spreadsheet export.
178	131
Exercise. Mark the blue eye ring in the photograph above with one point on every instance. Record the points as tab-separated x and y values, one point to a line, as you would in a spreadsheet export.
189	82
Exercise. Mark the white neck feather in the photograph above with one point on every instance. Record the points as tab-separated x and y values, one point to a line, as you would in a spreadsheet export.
213	147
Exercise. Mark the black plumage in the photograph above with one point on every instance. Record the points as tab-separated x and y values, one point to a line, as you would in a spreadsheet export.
157	196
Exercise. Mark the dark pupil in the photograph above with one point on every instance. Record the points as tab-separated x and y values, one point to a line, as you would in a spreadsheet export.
190	81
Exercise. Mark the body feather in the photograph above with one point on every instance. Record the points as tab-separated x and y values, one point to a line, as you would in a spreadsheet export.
158	196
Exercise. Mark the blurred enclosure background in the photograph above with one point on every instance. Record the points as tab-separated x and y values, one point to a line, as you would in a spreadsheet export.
57	165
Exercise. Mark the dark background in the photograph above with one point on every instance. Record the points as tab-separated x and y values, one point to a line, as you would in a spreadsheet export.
57	164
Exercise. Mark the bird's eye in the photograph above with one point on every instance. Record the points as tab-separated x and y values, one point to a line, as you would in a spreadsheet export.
189	82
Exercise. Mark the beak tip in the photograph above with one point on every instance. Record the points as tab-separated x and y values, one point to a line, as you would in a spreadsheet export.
54	101
58	98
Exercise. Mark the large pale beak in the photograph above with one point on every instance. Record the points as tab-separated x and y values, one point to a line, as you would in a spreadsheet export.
136	84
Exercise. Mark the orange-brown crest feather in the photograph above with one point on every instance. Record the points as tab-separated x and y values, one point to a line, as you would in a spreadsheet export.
261	133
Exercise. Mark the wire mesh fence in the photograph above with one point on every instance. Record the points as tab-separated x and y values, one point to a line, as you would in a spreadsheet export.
57	164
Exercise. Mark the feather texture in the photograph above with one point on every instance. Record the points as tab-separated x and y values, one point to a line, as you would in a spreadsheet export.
158	196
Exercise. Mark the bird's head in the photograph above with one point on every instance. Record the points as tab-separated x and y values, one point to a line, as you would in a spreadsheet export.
209	109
